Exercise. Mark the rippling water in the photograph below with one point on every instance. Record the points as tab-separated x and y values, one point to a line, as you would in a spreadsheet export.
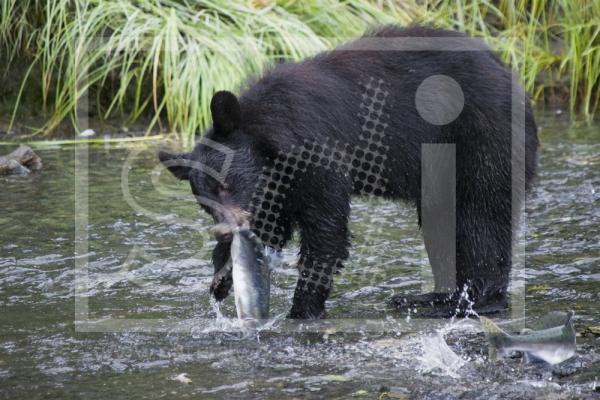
147	257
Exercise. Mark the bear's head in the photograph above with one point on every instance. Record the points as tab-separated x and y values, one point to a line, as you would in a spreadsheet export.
224	167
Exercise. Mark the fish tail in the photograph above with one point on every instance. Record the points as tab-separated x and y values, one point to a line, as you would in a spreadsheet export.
494	336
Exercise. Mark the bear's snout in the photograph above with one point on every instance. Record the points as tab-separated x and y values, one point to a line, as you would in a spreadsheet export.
222	233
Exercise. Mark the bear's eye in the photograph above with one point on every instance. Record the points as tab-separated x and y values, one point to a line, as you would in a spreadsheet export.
214	187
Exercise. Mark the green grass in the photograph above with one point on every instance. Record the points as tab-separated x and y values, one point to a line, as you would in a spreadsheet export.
553	45
165	58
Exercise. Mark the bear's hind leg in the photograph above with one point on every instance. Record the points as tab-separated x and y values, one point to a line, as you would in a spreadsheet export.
484	258
481	266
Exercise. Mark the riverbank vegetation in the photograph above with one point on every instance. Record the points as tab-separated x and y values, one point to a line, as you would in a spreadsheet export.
163	59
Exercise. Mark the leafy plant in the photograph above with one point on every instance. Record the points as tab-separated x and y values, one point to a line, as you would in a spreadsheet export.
165	58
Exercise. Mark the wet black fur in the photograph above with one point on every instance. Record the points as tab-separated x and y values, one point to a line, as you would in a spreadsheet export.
319	100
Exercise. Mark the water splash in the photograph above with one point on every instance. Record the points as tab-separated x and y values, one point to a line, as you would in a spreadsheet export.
233	328
465	299
438	358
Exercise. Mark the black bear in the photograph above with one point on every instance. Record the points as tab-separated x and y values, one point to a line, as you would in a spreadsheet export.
388	114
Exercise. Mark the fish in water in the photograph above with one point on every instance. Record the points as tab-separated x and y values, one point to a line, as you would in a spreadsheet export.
251	276
553	344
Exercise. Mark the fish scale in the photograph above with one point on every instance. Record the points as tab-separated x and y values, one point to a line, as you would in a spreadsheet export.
554	344
251	277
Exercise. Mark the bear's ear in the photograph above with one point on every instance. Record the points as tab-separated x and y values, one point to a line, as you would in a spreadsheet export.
178	164
226	112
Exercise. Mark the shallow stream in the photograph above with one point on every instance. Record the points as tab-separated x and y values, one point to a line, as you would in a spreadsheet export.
142	252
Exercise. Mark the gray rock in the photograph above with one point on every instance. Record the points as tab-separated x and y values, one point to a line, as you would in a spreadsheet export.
26	157
9	166
21	161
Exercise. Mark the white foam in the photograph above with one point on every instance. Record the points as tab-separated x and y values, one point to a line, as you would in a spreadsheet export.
438	358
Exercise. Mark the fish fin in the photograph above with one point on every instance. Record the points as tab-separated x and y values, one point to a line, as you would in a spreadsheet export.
551	320
569	328
570	315
493	335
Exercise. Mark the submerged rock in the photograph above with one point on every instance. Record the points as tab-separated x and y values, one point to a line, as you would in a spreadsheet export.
12	167
20	162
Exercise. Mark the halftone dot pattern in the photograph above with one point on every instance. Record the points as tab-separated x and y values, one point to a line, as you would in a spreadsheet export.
369	157
318	273
363	163
269	196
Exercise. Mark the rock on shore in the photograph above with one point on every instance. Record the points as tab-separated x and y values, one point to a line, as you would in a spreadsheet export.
20	162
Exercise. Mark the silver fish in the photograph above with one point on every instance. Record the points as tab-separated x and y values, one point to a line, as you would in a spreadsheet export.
251	277
553	344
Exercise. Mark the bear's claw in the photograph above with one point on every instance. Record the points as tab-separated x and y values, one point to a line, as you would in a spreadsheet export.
222	283
444	305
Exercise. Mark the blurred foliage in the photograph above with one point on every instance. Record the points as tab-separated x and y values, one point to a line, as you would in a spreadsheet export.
165	58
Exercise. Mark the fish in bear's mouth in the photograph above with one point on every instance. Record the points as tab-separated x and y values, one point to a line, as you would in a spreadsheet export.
247	271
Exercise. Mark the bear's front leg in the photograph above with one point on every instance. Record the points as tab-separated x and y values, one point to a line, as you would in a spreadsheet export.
222	278
313	287
323	222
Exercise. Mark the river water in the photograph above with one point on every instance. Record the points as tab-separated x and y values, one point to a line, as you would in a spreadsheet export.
137	246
